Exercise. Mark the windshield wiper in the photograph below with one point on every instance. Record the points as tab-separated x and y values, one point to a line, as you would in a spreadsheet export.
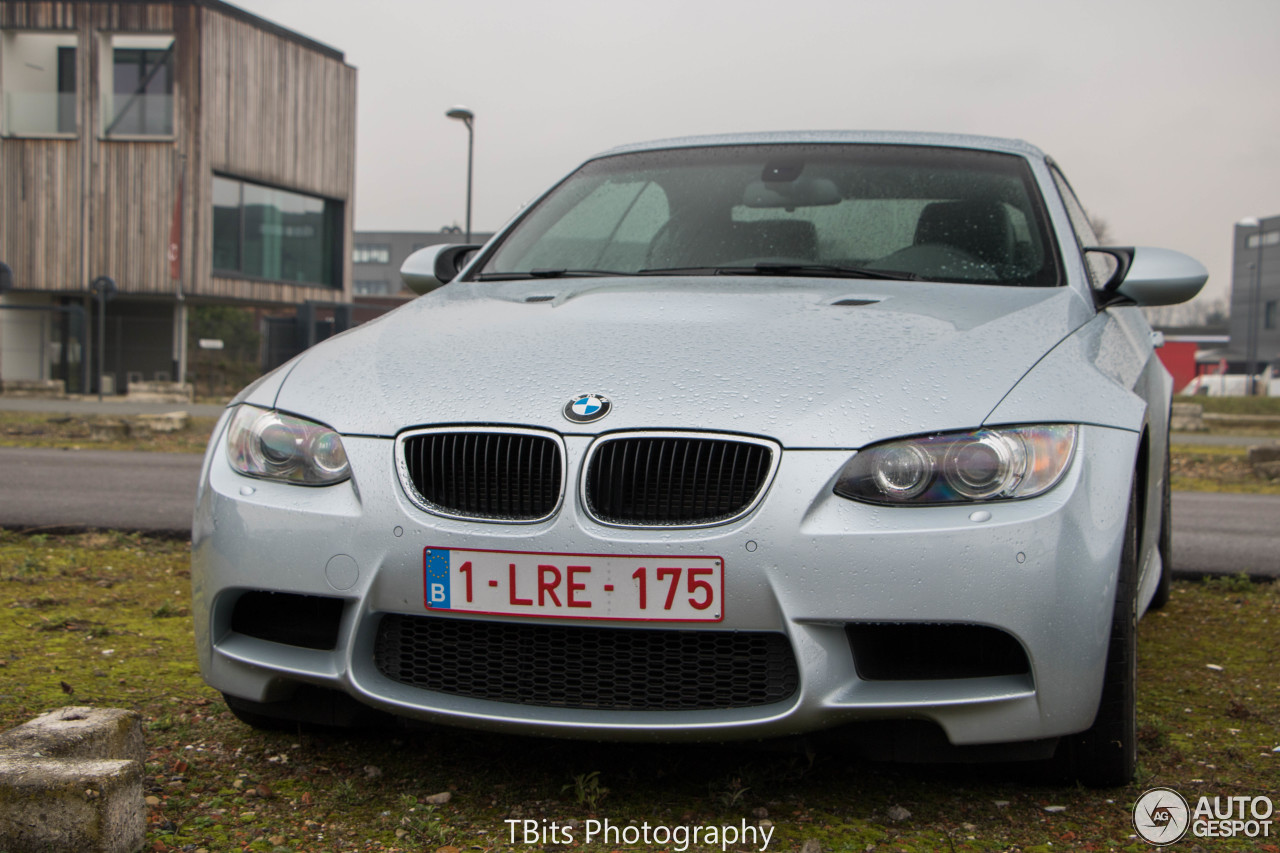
817	270
545	273
829	270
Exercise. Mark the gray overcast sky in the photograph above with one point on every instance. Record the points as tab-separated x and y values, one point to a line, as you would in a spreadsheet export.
1165	114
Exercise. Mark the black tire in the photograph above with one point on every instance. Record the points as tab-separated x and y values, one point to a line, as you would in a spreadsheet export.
1165	544
247	713
1106	754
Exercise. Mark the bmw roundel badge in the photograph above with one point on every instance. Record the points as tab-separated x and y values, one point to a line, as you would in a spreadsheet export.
586	408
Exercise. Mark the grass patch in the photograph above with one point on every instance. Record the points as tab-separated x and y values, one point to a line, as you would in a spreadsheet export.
105	614
71	432
1235	405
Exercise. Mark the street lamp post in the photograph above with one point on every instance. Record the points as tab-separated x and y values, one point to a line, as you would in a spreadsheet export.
468	118
1251	337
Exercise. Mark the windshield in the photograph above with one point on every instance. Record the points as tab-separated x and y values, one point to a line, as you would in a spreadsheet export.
885	211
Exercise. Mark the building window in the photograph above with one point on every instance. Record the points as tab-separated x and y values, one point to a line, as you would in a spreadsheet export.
39	78
265	232
1269	238
371	253
137	76
1269	315
363	287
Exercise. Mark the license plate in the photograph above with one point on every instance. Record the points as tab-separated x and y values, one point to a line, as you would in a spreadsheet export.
574	586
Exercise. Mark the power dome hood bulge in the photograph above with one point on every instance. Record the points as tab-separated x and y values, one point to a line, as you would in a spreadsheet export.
766	356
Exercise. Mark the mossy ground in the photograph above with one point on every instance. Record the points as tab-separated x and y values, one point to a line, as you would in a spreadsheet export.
105	617
1217	468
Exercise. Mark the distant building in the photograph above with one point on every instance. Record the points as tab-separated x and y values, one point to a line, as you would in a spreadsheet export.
1191	351
1255	297
190	151
376	257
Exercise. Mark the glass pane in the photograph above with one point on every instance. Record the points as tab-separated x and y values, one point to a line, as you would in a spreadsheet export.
1100	265
39	74
584	234
226	224
142	87
286	236
371	254
264	232
941	214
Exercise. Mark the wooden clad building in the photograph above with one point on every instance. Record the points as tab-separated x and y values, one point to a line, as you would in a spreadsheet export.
187	149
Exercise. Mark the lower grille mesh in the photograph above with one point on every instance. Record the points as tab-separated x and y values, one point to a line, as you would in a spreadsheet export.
587	667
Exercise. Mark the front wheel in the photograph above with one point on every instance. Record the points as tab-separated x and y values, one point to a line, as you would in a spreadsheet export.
1106	754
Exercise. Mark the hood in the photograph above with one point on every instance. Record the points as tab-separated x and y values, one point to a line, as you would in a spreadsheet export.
807	362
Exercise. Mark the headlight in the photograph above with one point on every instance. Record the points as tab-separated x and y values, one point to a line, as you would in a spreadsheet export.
1005	463
276	446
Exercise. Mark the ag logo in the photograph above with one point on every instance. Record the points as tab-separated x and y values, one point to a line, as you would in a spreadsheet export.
586	408
1161	816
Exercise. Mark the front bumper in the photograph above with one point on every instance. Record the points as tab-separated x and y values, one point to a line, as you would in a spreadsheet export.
805	564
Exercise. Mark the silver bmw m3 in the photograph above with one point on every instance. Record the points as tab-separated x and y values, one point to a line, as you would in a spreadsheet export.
722	438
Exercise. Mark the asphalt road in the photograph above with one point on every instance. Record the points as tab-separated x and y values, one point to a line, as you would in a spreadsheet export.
1217	533
1213	533
131	490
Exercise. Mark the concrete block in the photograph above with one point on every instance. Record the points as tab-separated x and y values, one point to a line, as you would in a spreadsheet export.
71	779
160	392
1264	453
86	806
1265	459
1187	417
1221	421
168	422
53	389
82	733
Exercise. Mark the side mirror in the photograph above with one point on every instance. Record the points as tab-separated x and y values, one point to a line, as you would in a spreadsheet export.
434	266
6	277
1148	276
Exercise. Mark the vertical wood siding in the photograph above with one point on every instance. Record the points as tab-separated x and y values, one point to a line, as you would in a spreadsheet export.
250	103
275	112
40	220
133	194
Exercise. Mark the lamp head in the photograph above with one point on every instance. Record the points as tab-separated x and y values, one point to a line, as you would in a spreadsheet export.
461	113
